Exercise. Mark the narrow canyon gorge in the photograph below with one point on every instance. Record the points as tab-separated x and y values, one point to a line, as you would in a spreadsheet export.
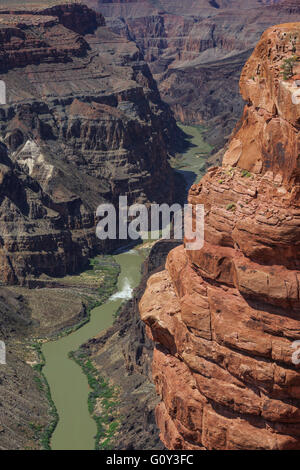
196	51
83	124
150	345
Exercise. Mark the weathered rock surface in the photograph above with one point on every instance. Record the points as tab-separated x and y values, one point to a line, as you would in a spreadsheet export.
21	402
196	50
83	123
225	318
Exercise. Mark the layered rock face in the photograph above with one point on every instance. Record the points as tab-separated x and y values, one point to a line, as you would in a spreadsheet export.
83	123
225	318
196	50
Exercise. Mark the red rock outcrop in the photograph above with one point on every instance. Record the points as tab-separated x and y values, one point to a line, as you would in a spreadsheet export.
225	318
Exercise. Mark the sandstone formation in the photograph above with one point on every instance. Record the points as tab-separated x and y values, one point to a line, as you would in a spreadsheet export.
83	123
196	50
224	319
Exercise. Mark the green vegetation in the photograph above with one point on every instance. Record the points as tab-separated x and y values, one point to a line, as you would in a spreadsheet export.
293	41
37	429
231	207
103	396
44	434
246	174
102	268
230	171
106	270
118	311
288	67
109	270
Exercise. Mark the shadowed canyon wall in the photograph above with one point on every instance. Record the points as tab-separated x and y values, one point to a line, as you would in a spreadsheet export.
196	51
83	123
224	319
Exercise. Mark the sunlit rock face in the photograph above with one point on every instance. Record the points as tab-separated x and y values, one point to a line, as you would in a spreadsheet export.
83	124
225	319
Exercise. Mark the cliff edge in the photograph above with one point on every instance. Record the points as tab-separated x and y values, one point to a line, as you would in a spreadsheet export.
224	319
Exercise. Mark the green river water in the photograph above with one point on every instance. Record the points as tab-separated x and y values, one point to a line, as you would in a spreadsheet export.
69	388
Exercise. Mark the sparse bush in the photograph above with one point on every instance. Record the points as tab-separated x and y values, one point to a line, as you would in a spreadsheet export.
288	67
246	174
231	207
109	421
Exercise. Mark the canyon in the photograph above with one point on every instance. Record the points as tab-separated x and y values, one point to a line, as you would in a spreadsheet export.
83	123
196	51
224	319
123	355
202	354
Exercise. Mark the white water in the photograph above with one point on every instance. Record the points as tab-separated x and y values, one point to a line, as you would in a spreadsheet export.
125	293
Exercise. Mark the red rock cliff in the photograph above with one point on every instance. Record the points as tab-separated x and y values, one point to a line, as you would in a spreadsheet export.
225	318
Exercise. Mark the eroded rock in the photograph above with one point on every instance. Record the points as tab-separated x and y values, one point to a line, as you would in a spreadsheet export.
225	318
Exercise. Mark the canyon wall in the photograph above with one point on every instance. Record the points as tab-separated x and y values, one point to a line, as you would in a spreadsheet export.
224	319
83	124
196	51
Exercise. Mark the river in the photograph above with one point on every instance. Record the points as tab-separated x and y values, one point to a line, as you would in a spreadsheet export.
69	388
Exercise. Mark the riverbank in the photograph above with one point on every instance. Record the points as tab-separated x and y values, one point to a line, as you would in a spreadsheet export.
103	401
86	290
69	387
122	355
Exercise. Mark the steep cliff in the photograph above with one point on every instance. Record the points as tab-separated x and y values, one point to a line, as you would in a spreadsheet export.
196	50
83	123
224	319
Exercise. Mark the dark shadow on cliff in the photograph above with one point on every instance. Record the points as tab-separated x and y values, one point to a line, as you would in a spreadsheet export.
189	176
